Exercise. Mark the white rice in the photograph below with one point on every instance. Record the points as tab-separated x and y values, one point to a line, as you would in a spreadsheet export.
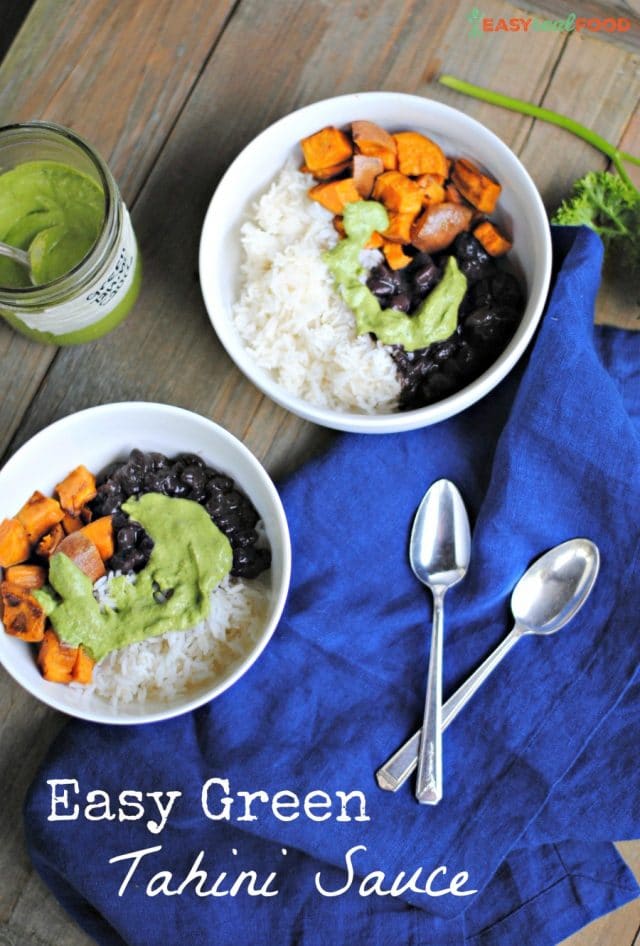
163	667
290	314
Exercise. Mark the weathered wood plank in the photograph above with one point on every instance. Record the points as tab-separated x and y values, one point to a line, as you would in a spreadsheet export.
559	10
39	920
118	74
620	927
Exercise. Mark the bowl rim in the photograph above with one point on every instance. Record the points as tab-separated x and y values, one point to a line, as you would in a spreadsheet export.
222	322
279	594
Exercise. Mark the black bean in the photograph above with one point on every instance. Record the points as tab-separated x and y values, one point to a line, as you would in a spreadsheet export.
442	351
383	281
192	459
473	259
139	460
401	301
194	476
244	538
170	483
506	289
219	484
233	499
197	496
154	482
426	276
126	537
158	461
249	562
215	504
229	522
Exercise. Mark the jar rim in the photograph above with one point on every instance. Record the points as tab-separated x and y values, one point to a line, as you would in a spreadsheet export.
109	189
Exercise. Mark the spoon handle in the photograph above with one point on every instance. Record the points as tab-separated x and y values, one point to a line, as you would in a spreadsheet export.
397	769
18	256
429	781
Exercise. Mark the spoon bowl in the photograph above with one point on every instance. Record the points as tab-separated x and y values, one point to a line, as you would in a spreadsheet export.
440	543
554	588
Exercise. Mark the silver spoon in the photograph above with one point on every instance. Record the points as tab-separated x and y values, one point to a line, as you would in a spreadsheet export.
548	595
18	256
439	555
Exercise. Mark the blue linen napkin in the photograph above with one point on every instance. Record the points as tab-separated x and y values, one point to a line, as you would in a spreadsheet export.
540	768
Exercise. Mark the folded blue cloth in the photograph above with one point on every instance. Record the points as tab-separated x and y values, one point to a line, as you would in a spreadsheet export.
540	768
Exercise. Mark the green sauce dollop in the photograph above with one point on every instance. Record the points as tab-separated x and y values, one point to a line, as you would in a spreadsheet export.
190	558
436	318
54	212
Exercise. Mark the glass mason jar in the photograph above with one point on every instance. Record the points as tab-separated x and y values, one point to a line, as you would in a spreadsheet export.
98	291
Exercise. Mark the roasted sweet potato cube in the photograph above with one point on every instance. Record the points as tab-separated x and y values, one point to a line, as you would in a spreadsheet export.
326	148
398	192
71	523
418	154
84	553
82	671
452	195
432	186
22	616
439	225
50	541
374	141
478	188
100	531
14	543
399	229
375	241
395	255
76	489
492	239
365	169
26	576
55	659
326	174
335	195
39	514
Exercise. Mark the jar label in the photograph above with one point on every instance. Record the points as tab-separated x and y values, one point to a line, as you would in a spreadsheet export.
96	302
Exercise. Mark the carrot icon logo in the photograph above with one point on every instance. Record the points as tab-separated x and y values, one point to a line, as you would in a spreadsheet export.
474	18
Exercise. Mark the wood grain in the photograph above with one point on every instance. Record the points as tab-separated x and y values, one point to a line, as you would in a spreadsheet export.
175	123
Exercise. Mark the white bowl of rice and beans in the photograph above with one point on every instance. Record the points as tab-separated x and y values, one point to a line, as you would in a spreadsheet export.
286	315
145	562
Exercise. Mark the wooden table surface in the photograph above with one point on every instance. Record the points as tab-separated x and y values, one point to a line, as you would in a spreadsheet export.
169	91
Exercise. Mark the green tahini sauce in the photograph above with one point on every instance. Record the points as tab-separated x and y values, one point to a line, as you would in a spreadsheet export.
190	558
52	211
437	317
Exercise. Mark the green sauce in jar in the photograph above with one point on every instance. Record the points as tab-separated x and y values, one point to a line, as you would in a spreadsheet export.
52	211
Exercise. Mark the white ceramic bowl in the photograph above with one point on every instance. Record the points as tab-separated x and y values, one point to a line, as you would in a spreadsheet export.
96	437
520	208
